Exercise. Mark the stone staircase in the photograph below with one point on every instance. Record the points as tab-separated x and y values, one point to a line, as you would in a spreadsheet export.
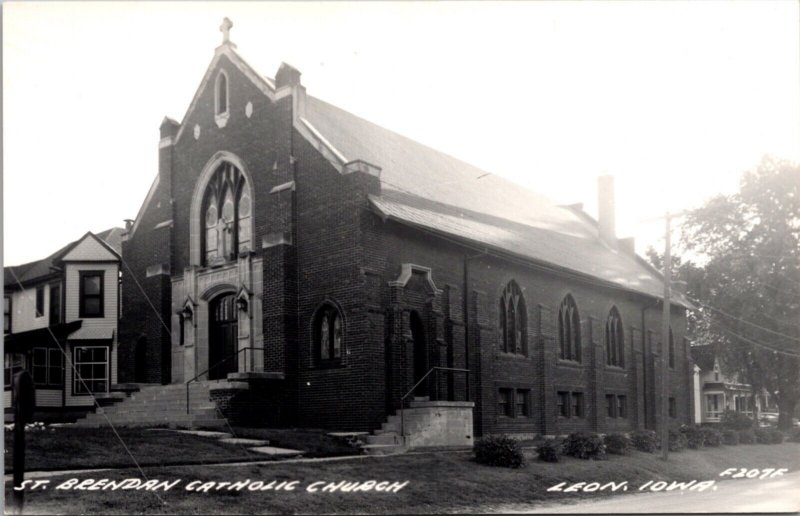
157	405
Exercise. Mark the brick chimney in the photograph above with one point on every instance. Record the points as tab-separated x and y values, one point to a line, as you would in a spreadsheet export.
605	209
287	76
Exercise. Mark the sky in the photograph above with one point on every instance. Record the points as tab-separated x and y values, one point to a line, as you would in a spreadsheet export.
674	99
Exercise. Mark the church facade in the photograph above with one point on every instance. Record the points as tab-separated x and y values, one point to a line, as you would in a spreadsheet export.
328	265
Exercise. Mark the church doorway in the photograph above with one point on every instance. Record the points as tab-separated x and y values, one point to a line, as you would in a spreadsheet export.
223	337
420	352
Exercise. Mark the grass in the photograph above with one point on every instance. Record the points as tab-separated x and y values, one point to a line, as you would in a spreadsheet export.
78	448
438	482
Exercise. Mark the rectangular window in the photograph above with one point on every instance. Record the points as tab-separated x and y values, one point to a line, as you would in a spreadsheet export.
577	404
610	405
672	408
40	366
504	405
522	401
91	365
55	367
40	301
622	406
55	304
671	353
563	404
48	367
13	362
7	314
91	294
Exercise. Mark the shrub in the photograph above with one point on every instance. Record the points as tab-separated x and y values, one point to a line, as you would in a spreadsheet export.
645	440
768	436
711	436
618	444
695	437
549	450
795	436
736	420
677	440
747	437
584	446
730	437
499	450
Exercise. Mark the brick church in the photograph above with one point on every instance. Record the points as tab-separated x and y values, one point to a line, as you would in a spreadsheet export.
313	267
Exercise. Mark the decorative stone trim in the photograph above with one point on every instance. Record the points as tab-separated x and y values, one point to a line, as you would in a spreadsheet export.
248	109
275	239
165	142
165	224
359	165
406	272
156	270
285	186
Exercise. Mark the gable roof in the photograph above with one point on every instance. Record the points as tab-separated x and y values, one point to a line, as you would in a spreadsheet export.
433	191
41	269
436	192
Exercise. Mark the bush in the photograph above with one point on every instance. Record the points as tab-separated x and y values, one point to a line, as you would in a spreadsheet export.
769	436
747	437
584	446
618	444
730	437
677	440
499	450
736	420
645	440
695	437
549	450
711	436
795	436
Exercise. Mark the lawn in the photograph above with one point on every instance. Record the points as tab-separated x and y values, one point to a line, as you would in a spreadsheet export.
78	448
437	482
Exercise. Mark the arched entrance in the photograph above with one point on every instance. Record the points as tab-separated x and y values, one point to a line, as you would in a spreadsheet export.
223	337
420	352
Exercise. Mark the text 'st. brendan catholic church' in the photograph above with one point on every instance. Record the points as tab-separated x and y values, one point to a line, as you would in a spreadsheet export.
309	268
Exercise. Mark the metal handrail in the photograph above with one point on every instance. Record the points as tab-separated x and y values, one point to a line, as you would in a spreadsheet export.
218	364
406	395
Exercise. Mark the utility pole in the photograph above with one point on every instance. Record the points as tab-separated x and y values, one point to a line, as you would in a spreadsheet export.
665	343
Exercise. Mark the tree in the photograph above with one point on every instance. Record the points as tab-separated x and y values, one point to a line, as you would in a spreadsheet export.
748	289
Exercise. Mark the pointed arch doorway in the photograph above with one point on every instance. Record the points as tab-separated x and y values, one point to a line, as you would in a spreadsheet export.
223	335
420	352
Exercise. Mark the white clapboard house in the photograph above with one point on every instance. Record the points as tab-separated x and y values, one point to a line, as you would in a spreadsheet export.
61	312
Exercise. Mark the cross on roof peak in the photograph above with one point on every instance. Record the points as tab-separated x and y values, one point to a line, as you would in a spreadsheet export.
225	28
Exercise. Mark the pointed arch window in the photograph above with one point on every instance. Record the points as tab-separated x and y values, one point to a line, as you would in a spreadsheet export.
227	215
615	347
221	95
569	330
513	321
328	333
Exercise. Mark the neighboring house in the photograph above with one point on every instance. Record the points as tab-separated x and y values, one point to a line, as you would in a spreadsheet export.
716	392
67	304
289	242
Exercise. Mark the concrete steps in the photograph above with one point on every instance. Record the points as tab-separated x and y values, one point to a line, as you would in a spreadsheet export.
160	405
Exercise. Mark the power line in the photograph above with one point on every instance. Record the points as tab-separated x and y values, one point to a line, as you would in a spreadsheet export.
760	345
741	320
